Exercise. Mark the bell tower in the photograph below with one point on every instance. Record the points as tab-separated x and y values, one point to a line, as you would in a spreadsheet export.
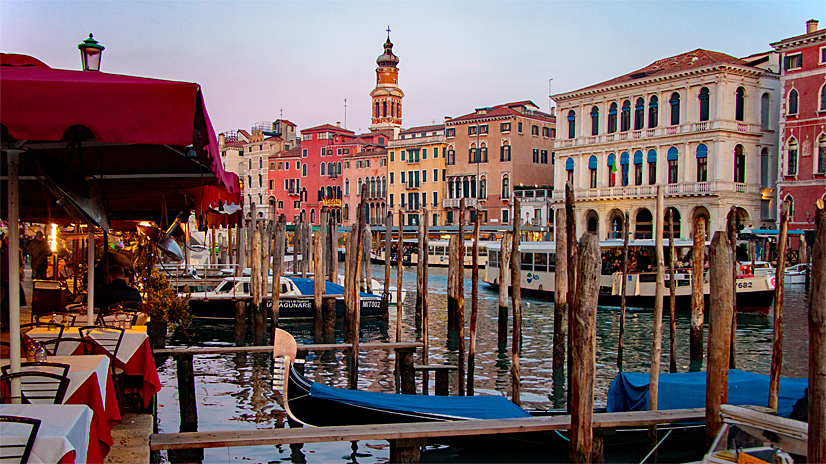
387	96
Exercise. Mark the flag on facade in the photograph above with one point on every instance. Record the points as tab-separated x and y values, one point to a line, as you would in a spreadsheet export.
614	173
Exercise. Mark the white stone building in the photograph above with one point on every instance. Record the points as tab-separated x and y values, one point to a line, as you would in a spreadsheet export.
701	124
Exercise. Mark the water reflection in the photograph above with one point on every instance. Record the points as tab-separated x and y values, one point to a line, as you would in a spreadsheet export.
234	392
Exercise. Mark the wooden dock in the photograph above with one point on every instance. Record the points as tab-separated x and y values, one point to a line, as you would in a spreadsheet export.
284	436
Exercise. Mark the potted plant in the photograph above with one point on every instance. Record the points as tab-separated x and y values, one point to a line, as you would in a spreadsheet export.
164	307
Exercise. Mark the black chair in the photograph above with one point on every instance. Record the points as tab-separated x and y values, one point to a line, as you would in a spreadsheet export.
112	318
48	296
35	387
108	338
11	451
49	325
76	346
41	366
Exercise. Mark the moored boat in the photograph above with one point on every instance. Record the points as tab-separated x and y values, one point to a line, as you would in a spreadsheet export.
755	293
437	253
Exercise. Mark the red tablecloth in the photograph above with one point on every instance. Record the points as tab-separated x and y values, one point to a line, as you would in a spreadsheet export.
89	394
141	364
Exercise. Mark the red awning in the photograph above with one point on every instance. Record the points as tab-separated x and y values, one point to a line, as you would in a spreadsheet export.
130	135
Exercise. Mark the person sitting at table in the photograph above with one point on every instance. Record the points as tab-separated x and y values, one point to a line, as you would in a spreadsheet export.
116	291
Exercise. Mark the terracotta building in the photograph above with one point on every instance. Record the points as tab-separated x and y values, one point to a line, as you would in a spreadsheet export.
494	150
416	173
700	124
802	167
365	164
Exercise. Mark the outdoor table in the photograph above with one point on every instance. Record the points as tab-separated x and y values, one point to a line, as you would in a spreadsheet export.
90	384
66	434
134	355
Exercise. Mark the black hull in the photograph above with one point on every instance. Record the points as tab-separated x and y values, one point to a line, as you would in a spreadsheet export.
288	308
758	303
623	445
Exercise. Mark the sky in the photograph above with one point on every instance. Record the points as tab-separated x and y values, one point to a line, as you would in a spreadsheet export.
261	60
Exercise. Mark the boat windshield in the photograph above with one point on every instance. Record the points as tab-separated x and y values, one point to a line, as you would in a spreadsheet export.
225	286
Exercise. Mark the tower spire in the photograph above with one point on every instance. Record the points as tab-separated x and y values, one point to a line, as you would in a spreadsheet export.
387	96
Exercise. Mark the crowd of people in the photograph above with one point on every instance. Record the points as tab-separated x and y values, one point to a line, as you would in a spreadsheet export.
640	261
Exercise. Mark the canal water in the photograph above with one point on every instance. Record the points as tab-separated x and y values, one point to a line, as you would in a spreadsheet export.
234	391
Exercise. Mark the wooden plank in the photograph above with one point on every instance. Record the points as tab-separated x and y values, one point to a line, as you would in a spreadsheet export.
207	350
279	436
779	274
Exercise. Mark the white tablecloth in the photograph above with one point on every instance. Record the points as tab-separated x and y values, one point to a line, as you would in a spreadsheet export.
80	369
132	338
63	428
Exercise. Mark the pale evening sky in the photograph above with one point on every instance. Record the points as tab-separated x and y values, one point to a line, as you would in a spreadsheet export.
255	59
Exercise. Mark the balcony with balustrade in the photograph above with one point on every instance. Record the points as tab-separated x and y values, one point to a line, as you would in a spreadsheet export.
683	189
454	202
664	131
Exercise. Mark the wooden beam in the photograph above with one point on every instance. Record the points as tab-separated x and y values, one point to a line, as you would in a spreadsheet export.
283	436
208	350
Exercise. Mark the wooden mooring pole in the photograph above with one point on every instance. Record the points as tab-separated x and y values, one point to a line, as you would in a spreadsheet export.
332	246
318	284
399	277
385	300
516	299
817	342
421	263
474	305
425	327
719	331
460	296
697	293
672	294
504	282
583	367
626	234
731	230
570	223
779	274
188	405
657	336
366	247
356	295
452	254
278	267
560	291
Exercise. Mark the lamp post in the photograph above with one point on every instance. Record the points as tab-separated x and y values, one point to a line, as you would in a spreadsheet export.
90	54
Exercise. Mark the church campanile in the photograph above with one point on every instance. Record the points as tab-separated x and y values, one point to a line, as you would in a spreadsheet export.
387	96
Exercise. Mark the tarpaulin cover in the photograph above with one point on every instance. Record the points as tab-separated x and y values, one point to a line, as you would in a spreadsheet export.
629	391
307	287
464	407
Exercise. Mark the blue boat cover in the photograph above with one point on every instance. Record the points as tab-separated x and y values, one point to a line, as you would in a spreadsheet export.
307	287
460	407
629	391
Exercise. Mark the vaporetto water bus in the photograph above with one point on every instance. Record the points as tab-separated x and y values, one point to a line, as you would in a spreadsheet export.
755	294
437	253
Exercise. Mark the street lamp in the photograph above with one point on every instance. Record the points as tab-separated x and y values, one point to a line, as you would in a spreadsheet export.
90	53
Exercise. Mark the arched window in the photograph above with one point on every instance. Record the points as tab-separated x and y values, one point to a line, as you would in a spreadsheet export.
384	109
821	155
644	225
569	168
702	163
740	104
823	98
347	186
312	216
612	118
652	167
465	188
675	108
506	186
704	103
639	114
793	101
372	187
790	199
358	192
791	162
383	186
653	112
346	212
765	111
675	217
592	222
638	167
504	152
483	188
323	168
739	164
571	124
594	120
612	170
673	158
625	119
764	168
473	187
329	192
624	159
304	170
377	110
592	167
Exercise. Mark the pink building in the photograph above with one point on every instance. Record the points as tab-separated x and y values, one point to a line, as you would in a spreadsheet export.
285	183
802	164
367	166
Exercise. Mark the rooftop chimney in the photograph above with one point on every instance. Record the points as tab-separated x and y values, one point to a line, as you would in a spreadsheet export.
338	123
811	26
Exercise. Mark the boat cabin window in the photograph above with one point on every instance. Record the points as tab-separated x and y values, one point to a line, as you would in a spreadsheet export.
440	250
527	261
246	287
483	251
225	286
431	250
284	288
551	262
493	259
540	262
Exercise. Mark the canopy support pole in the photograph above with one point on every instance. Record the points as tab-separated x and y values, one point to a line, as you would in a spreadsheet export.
90	276
13	157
